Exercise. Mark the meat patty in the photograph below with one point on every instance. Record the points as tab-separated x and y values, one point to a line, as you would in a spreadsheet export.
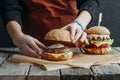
57	50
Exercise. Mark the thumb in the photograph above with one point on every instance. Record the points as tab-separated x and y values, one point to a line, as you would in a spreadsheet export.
86	42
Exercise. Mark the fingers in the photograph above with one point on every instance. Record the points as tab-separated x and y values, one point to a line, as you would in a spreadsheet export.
76	33
34	46
84	39
30	46
86	42
39	44
73	31
80	38
77	36
26	50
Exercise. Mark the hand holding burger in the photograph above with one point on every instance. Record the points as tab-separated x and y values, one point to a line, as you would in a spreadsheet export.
62	36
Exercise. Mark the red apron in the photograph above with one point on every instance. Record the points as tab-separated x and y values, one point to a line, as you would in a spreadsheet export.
44	15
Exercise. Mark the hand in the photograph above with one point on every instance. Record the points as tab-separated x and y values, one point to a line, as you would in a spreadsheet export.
29	45
76	33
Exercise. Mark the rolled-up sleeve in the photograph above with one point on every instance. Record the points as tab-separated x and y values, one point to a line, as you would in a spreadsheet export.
90	5
12	11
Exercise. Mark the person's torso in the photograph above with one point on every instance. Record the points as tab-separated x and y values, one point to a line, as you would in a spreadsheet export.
44	15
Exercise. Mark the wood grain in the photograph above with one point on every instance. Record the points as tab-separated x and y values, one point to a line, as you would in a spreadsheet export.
3	55
107	72
115	50
15	71
37	73
10	70
76	74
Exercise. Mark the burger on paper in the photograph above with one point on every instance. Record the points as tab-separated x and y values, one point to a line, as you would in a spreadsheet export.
56	51
99	40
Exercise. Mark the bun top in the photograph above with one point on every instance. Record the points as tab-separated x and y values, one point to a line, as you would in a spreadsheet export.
98	30
58	35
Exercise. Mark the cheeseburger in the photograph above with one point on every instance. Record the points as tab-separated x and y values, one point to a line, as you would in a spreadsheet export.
99	40
57	51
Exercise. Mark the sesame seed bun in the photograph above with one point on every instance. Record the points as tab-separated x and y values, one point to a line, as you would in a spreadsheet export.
98	30
99	40
58	35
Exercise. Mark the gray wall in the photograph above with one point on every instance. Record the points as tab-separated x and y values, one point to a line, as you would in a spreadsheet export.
111	20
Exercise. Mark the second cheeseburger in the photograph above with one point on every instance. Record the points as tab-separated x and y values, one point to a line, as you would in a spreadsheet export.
57	51
99	40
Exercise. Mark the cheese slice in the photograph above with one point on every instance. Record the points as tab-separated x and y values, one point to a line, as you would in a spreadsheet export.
98	43
69	53
56	55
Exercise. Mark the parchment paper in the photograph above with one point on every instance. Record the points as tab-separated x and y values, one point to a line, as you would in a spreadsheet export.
78	60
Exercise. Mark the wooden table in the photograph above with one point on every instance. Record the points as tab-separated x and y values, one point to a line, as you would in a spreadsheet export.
15	71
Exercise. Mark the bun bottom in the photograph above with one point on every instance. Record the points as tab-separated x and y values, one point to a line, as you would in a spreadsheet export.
102	51
57	57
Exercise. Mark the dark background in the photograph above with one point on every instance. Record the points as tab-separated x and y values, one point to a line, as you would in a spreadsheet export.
111	20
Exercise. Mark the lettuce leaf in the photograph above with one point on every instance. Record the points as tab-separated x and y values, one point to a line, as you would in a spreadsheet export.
99	42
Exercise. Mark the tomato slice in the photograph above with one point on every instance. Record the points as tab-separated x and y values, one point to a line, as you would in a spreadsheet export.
94	46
